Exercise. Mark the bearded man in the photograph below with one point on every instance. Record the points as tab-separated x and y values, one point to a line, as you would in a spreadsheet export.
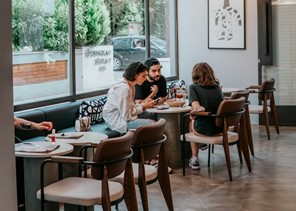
154	88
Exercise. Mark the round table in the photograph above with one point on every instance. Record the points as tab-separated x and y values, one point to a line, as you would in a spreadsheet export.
86	138
63	149
32	163
172	129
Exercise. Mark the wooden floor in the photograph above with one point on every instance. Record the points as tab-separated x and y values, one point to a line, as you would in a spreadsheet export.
271	185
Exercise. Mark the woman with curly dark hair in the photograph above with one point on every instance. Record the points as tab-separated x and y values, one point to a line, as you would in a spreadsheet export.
205	94
120	111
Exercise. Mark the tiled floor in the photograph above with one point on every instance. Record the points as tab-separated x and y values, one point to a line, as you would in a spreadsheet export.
271	185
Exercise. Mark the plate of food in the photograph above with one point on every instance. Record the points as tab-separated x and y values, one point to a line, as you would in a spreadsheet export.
175	102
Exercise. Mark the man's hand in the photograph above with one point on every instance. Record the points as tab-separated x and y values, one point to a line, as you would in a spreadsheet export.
154	90
160	100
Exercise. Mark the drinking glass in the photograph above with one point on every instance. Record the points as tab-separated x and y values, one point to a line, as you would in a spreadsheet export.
176	88
179	94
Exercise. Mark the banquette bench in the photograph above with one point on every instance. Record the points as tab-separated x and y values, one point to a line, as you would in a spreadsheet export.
63	117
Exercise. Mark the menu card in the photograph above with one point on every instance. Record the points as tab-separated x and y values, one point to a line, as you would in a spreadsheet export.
35	147
68	135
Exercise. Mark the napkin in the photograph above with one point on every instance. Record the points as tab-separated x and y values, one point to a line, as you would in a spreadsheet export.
163	107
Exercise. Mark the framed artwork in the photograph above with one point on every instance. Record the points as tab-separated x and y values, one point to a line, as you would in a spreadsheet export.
226	24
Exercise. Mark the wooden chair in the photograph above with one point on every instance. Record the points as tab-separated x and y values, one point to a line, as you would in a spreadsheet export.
265	95
148	142
245	94
112	157
229	113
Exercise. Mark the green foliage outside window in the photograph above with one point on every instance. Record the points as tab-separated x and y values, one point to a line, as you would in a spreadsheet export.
27	24
158	19
123	15
33	27
38	29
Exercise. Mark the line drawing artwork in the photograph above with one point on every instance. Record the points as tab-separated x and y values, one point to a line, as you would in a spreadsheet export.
224	20
226	24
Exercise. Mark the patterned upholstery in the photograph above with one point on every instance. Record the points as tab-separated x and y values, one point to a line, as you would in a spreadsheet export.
93	109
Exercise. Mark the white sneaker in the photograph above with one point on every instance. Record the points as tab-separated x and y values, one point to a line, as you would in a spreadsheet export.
193	163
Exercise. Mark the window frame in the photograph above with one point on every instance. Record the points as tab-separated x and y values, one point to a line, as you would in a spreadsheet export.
73	96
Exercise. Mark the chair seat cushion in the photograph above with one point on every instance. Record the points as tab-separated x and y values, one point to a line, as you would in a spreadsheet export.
150	172
257	109
191	137
80	191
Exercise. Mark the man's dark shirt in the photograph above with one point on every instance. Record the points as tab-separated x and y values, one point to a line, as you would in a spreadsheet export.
144	90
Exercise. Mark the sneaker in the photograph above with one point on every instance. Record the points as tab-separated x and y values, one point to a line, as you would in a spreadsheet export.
203	146
193	163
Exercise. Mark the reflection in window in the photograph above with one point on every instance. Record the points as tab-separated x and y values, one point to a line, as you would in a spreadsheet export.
108	37
162	35
40	46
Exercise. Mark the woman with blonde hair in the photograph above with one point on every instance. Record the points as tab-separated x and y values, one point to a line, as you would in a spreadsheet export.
205	94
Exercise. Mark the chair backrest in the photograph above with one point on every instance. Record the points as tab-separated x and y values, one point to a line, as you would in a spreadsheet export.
231	111
266	89
115	152
148	138
244	94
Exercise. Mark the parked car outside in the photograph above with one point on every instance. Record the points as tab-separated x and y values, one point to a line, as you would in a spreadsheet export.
128	49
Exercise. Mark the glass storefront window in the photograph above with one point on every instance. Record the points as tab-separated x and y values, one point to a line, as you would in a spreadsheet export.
108	36
162	35
40	50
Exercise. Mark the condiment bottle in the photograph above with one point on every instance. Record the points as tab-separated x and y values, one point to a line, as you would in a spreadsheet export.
53	137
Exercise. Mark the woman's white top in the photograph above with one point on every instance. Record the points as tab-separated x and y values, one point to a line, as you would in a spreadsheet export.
120	107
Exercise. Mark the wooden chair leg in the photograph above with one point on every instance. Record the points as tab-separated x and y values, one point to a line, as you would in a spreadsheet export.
142	183
129	188
227	157
249	131
105	191
239	152
226	149
244	143
164	179
266	120
237	130
274	115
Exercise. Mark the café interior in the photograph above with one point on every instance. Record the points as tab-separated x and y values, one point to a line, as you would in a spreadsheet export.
266	49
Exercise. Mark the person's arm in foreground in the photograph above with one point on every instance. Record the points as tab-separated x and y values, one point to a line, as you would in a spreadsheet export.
23	124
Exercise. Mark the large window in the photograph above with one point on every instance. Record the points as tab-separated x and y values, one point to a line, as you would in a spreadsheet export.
40	50
65	50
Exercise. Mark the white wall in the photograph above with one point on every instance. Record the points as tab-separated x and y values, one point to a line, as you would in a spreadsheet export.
234	68
7	158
